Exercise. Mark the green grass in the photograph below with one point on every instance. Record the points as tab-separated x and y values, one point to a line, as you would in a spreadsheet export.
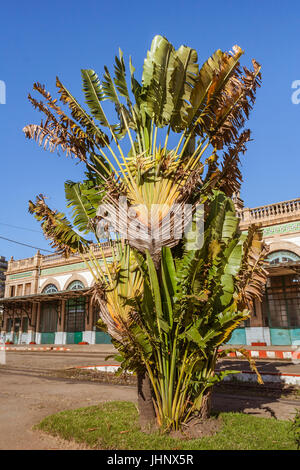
114	425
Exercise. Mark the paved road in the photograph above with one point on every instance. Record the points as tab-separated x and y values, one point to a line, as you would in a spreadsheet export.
60	360
27	396
55	360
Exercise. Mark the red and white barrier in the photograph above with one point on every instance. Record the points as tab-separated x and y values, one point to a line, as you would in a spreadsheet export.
265	354
9	348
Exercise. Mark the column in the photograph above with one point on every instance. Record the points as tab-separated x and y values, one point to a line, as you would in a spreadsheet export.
60	335
38	323
31	323
89	333
257	332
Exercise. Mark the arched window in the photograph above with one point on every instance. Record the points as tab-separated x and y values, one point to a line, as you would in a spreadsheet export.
50	289
282	256
75	285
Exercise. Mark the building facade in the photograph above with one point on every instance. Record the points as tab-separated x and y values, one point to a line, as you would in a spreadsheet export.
47	301
275	320
47	298
3	268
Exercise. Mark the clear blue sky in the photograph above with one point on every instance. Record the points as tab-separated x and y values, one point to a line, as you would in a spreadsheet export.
40	40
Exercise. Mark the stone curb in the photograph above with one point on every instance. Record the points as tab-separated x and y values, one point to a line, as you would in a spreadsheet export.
8	348
258	354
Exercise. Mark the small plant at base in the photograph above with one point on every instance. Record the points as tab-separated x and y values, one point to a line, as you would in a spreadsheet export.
295	428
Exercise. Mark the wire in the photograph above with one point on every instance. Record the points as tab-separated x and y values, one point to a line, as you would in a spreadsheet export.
22	228
24	244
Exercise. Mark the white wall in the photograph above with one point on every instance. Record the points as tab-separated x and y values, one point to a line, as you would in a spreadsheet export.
258	334
62	279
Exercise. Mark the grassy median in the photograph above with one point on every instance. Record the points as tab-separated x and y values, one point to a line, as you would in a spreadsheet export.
114	425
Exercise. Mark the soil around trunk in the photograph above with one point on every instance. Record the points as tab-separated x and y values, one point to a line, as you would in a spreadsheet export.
198	427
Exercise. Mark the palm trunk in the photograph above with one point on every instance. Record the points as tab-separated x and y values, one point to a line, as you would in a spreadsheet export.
205	410
147	416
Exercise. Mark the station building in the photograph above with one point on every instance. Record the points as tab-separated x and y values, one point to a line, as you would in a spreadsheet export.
3	268
48	301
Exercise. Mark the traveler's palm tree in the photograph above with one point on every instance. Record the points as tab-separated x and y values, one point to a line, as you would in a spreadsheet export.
167	309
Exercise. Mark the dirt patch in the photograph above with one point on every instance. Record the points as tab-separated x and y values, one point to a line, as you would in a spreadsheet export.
26	399
274	390
57	443
96	376
197	428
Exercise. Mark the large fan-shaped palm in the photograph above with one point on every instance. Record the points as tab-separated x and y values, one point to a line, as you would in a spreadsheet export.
170	314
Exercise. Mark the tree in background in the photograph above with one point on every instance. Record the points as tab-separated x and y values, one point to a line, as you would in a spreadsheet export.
168	304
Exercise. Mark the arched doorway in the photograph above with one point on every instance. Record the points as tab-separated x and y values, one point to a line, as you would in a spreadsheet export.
75	315
282	256
281	303
49	317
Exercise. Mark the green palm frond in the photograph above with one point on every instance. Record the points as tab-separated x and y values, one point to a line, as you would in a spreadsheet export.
181	85
120	77
109	88
84	200
136	87
94	95
157	73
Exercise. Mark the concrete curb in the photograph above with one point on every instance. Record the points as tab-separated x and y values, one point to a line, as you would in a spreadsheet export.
106	368
243	376
8	348
255	353
267	377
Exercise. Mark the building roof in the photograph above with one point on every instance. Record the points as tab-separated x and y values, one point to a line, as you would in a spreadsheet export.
45	297
287	267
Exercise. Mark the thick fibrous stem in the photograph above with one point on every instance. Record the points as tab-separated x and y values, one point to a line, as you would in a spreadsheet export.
205	410
145	402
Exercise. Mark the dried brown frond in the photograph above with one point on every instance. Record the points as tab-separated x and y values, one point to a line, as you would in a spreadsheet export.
99	301
228	178
116	187
191	182
62	118
253	275
234	105
81	116
246	354
54	137
57	133
57	228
